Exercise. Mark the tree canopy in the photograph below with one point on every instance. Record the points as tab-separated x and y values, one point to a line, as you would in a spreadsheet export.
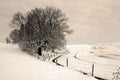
43	27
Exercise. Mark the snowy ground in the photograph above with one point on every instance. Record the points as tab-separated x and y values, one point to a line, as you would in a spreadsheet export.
16	65
106	59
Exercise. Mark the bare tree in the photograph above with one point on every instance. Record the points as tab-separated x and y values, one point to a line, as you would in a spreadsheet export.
42	28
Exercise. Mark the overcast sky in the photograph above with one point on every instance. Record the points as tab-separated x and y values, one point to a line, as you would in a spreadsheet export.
91	20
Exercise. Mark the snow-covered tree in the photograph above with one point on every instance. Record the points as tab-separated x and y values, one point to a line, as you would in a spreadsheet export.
41	27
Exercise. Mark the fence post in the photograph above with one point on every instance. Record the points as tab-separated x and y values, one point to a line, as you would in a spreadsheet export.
92	69
67	62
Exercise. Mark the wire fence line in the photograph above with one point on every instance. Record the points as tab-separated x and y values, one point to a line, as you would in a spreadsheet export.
97	70
102	71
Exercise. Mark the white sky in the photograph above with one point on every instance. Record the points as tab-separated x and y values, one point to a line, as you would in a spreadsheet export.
92	20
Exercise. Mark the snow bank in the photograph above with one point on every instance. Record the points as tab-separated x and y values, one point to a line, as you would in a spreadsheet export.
16	65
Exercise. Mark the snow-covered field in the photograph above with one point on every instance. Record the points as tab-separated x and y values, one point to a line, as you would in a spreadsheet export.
106	59
16	65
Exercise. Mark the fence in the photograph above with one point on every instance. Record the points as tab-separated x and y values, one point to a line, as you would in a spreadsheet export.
94	69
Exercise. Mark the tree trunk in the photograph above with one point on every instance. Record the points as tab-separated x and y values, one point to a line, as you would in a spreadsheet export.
40	51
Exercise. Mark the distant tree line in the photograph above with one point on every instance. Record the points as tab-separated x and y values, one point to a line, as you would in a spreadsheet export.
45	28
